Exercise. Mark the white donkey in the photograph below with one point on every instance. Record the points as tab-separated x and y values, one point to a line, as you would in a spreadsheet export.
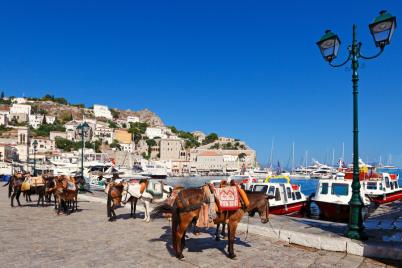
147	192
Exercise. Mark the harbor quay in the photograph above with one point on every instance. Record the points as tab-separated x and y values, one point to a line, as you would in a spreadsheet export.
36	237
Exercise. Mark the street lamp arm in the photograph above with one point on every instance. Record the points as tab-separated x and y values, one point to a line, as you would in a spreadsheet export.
343	63
372	57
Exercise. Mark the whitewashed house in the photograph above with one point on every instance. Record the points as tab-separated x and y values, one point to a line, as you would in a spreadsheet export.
132	119
35	120
153	132
102	111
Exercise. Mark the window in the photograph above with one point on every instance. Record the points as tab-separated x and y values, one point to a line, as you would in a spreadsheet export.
293	196
271	190
324	188
289	192
381	186
371	186
387	183
298	195
260	188
277	195
340	189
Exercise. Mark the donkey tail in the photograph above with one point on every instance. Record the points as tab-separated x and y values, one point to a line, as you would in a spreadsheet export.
108	205
160	210
10	188
6	184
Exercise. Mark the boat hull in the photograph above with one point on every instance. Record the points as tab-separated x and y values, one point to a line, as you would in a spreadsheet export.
289	209
333	211
390	197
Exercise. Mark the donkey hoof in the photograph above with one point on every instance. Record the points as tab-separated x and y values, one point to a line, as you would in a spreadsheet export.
180	257
232	256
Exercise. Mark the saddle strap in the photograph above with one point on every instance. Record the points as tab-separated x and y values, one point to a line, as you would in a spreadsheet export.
183	200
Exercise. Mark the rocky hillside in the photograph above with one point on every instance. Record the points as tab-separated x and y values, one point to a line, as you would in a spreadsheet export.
65	112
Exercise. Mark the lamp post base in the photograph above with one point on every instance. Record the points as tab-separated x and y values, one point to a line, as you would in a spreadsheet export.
356	234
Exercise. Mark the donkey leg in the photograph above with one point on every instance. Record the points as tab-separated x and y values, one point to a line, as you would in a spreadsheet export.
223	234
12	199
181	236
135	207
232	226
217	237
147	218
17	196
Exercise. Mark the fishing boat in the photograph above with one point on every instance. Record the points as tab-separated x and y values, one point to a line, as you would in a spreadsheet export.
383	189
332	196
286	199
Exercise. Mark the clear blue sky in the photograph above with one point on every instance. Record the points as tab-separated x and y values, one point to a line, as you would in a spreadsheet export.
248	69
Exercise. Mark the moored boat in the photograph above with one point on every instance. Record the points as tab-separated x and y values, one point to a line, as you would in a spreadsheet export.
383	189
332	196
287	197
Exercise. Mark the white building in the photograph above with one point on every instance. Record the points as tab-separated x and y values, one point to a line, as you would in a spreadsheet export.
50	119
104	133
35	120
102	111
132	119
44	145
127	147
20	109
3	120
153	132
20	100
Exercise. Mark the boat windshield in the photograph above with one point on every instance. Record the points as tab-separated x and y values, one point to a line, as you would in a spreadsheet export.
371	186
324	188
271	190
340	189
260	188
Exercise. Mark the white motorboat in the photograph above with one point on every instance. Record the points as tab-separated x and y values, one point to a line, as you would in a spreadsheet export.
287	197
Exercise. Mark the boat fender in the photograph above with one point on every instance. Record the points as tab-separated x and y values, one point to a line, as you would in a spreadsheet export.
243	196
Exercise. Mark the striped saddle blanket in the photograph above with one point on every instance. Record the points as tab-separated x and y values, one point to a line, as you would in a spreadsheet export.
36	181
227	198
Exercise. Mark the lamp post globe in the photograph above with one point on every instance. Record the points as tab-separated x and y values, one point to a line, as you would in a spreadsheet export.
329	45
382	28
35	146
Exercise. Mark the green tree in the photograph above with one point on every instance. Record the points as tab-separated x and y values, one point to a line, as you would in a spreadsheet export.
210	138
115	113
115	144
242	157
112	124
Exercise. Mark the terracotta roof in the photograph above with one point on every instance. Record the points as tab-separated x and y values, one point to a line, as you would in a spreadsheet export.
209	153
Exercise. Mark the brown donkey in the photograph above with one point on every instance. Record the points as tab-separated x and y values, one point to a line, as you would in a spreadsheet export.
187	207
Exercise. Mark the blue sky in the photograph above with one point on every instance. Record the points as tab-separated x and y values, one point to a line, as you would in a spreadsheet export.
247	69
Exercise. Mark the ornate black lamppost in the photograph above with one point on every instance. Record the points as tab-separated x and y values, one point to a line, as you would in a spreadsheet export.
35	146
382	30
82	128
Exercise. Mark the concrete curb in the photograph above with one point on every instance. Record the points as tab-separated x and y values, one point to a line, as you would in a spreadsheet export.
328	241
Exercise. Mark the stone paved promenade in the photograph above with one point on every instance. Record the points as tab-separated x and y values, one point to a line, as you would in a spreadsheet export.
36	237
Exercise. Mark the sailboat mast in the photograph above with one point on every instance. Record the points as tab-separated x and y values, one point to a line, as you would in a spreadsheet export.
333	156
343	151
293	156
272	150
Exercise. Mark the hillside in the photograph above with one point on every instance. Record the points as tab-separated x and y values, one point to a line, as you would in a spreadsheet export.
64	112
